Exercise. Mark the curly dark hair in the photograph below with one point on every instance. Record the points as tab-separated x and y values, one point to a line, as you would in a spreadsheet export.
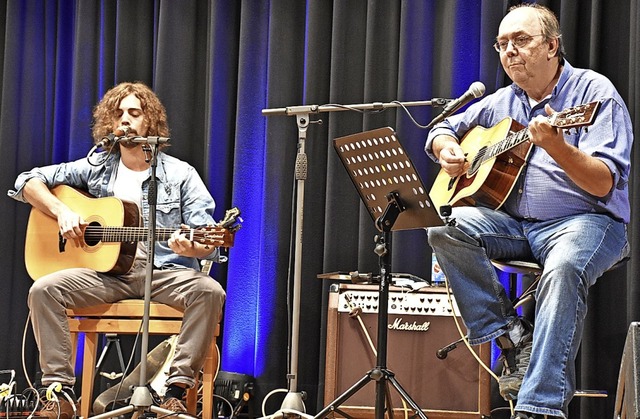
106	111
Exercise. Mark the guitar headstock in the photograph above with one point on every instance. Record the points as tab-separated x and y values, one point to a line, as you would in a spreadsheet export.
578	116
213	236
222	234
231	220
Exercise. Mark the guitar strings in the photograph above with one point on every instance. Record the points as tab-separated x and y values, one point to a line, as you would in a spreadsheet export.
509	142
132	233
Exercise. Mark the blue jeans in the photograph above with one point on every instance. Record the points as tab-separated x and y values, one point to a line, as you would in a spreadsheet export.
574	251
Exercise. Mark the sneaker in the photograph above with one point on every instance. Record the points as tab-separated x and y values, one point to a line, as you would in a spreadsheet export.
174	405
516	362
62	406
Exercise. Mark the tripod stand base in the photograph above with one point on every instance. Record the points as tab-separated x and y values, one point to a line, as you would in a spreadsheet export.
142	402
382	377
294	401
137	411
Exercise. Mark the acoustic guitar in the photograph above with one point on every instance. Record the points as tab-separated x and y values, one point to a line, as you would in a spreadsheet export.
497	156
109	241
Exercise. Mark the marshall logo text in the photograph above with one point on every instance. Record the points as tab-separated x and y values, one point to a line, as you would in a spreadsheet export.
411	327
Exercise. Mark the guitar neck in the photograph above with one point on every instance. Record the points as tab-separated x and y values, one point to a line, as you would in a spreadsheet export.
578	116
512	140
131	234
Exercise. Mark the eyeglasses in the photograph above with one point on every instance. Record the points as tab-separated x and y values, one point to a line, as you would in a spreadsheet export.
519	41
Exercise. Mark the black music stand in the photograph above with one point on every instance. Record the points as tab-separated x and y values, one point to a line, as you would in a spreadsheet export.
392	191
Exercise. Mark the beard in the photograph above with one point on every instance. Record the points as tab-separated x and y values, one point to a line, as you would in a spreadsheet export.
130	144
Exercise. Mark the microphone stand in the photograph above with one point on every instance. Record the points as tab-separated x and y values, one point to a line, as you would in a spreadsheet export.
293	401
141	400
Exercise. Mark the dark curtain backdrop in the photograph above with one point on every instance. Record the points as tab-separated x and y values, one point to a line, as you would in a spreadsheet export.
216	64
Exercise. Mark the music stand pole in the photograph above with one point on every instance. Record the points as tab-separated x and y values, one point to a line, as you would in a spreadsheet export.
380	374
381	170
141	399
383	250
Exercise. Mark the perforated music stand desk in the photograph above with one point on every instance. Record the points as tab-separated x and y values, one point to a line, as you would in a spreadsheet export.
392	191
378	165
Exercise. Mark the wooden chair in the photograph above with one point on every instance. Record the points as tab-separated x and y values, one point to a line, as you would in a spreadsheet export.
125	317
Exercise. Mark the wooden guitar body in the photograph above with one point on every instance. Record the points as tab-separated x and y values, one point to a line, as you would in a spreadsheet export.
46	251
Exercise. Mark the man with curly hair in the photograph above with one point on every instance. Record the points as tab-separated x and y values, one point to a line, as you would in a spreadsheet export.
182	200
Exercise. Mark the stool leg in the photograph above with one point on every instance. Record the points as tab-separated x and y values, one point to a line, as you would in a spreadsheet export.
88	372
192	399
208	377
74	345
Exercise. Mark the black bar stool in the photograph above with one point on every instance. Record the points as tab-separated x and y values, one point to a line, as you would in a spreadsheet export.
520	267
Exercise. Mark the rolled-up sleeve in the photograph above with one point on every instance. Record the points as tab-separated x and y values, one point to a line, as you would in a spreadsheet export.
457	125
72	174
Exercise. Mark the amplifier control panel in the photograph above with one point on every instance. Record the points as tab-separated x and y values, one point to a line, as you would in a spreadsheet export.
432	302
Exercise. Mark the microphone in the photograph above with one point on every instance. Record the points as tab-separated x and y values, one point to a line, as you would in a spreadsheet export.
443	352
149	140
475	91
114	136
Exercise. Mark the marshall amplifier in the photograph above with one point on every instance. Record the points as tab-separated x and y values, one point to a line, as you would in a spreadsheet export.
419	323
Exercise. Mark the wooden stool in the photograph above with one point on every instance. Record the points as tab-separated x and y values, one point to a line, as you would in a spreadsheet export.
125	317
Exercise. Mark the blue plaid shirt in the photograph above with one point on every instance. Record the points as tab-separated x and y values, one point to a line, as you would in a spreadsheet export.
544	191
182	197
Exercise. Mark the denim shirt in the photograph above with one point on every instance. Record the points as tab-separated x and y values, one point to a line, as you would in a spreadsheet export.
544	191
182	197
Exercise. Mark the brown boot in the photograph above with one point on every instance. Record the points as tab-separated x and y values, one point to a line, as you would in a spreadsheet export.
60	405
62	409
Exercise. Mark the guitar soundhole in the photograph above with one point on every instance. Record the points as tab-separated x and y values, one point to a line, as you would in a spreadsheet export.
92	236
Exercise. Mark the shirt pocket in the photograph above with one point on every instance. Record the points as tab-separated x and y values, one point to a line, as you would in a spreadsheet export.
168	214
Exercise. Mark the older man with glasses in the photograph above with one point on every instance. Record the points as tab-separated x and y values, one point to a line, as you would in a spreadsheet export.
568	209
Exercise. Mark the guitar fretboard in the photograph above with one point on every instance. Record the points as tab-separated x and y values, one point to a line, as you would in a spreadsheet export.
127	234
577	116
487	153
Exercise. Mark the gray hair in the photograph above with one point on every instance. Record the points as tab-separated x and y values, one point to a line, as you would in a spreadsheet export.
548	22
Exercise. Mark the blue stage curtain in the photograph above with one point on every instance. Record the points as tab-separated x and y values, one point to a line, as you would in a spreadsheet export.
216	65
